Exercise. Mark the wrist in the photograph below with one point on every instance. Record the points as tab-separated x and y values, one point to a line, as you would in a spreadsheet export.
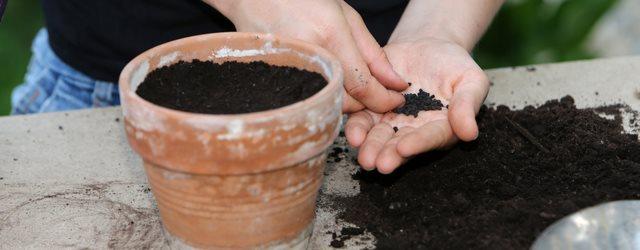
461	22
441	35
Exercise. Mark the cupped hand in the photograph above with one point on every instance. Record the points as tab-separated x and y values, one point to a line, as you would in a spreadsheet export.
370	81
441	68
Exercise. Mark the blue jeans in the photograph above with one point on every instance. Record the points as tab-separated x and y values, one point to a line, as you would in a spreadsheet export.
52	85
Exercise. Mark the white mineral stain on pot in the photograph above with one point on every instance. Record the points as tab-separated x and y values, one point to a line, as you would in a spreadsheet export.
307	148
296	188
257	135
139	135
264	119
234	130
204	138
228	52
311	121
235	127
315	161
319	120
168	59
267	48
145	119
326	69
141	117
204	124
157	145
139	74
123	104
288	127
296	139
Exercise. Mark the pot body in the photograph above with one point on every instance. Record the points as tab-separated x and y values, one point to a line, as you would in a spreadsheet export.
235	181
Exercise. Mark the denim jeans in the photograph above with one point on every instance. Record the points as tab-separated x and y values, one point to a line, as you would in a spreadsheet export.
51	85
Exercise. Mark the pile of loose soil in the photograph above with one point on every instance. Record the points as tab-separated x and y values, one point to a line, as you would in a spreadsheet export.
228	88
422	101
502	190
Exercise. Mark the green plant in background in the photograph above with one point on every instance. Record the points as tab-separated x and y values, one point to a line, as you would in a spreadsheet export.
537	31
21	21
524	32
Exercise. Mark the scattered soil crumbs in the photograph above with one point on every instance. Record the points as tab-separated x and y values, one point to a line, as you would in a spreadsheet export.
338	240
228	88
502	190
337	154
422	101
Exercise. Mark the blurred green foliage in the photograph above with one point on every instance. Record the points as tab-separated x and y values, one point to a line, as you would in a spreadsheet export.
21	21
537	31
524	32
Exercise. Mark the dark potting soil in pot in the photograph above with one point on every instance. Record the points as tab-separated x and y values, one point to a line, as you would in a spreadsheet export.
228	88
527	169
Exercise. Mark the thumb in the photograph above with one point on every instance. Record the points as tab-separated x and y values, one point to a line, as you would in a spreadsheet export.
371	51
359	82
468	95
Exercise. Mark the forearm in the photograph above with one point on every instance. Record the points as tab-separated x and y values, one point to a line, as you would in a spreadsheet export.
459	21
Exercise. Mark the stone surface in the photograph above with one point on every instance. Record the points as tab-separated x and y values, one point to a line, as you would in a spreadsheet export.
70	180
617	33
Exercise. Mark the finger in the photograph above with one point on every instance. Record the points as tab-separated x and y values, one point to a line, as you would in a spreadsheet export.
468	96
359	82
433	135
389	158
373	144
373	54
350	105
357	126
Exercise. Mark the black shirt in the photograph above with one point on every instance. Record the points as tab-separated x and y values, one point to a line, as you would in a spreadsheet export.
3	5
99	37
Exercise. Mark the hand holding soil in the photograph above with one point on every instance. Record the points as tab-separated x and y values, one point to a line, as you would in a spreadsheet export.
337	27
438	67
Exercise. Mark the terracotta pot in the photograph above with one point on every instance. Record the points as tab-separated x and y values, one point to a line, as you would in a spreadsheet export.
235	181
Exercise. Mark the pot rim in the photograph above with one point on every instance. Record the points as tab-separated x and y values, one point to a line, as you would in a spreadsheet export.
334	80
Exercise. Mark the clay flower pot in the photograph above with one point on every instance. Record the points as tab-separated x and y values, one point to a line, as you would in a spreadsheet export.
235	181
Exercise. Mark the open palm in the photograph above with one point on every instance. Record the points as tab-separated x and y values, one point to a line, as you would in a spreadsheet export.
441	68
